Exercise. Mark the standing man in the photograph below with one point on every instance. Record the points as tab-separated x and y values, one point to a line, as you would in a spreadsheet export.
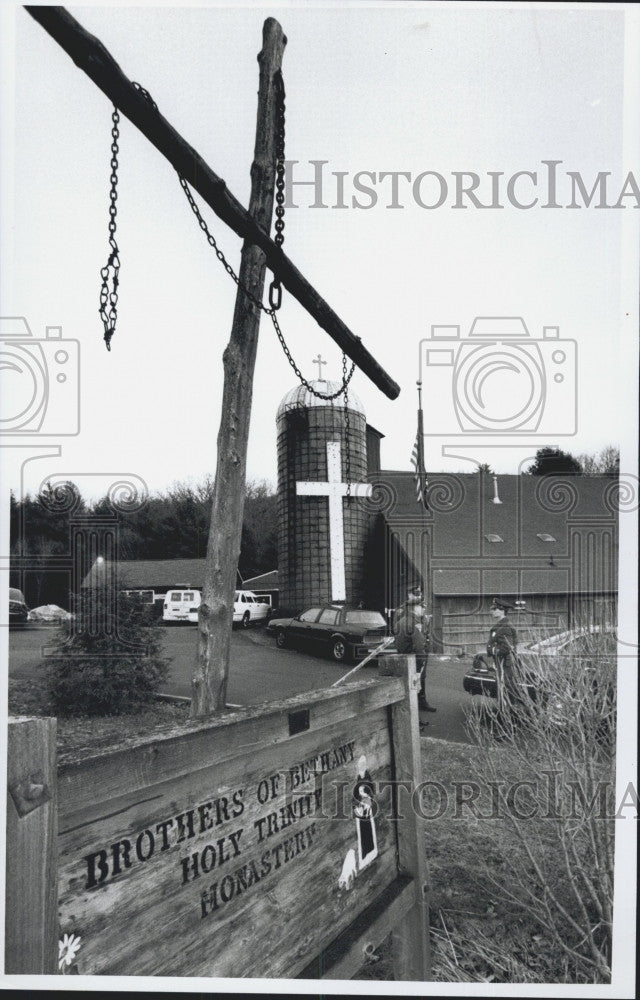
412	631
502	646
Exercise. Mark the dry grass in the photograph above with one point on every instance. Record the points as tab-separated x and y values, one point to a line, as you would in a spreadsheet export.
483	927
79	734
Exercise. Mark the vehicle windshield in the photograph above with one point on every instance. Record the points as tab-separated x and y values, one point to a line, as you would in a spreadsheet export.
371	619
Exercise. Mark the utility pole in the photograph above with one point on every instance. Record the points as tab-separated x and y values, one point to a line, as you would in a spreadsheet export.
210	676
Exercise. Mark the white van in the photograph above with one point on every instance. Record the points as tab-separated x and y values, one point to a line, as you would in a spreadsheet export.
181	606
249	607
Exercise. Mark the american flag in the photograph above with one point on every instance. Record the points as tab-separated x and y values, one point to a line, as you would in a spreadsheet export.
417	460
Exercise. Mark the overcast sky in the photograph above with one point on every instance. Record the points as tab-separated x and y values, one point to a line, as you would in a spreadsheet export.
407	88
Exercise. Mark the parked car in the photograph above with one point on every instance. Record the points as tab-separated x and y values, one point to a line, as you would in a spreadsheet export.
481	678
50	614
181	606
341	632
18	610
249	607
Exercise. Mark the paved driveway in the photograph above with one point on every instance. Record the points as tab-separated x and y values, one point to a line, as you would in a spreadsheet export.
260	672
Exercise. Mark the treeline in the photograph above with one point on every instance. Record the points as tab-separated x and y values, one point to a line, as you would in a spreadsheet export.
552	461
170	525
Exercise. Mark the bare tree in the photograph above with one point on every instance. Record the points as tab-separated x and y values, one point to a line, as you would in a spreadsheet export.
558	741
606	462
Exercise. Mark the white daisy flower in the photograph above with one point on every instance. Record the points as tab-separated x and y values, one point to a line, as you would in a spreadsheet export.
68	948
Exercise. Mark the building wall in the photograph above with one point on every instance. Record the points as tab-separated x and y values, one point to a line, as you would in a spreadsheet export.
464	621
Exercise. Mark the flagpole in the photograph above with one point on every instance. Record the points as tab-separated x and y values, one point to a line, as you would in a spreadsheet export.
424	560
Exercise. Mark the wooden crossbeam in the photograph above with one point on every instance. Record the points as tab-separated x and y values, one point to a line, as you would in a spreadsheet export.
91	56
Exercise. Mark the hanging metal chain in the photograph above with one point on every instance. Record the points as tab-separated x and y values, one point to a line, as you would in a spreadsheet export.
299	375
110	273
347	427
275	289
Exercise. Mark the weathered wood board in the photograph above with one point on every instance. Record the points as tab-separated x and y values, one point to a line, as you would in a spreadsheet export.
31	927
242	848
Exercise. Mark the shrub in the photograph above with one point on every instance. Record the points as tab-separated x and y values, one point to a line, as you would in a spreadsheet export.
561	746
110	662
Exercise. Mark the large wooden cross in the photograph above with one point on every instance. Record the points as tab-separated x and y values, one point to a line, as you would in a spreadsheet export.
335	490
209	686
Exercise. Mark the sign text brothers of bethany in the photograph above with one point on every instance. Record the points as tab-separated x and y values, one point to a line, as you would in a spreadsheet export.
223	815
237	828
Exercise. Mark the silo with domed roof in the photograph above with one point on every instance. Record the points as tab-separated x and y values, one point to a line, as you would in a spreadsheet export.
322	446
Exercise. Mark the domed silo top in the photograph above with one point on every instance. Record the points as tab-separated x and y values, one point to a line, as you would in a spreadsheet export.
300	398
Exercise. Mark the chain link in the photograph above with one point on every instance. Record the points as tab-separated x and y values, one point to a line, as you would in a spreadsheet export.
110	273
347	427
275	289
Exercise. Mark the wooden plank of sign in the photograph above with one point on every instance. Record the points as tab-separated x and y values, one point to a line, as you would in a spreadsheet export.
411	945
144	759
31	924
164	916
347	953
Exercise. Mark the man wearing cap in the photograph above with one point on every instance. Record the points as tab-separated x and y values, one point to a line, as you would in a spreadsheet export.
411	628
502	647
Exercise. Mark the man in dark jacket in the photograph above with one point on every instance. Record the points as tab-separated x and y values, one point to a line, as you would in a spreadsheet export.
411	628
502	647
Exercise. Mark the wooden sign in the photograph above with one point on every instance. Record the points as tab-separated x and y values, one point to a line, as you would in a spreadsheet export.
251	845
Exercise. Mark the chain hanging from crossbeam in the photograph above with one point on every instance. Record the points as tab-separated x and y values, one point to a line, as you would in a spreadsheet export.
110	273
109	299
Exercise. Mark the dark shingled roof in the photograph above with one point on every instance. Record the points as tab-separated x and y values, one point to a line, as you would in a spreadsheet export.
153	574
163	574
462	515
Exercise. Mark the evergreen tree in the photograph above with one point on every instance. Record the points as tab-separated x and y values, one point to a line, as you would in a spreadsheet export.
554	462
111	663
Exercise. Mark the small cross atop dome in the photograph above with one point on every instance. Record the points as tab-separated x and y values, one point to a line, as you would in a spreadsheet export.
319	362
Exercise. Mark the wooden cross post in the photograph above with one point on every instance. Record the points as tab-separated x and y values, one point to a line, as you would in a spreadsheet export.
210	676
214	636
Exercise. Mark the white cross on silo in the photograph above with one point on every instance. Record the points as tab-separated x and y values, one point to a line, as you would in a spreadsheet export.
335	490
